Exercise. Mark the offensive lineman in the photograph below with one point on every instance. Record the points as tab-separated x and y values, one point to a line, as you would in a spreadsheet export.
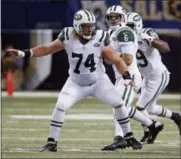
155	74
86	48
124	42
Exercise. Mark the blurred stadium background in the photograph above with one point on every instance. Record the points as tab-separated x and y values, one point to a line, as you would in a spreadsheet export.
27	23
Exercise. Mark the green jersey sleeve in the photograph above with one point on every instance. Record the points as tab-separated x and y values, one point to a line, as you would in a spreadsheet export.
125	35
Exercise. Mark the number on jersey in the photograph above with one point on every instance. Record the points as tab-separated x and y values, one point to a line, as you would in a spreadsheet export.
88	63
142	61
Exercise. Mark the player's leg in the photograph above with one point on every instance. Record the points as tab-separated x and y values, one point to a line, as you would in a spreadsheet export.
70	94
105	91
128	96
149	93
158	110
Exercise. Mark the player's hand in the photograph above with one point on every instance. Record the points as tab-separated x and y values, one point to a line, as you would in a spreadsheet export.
14	52
129	82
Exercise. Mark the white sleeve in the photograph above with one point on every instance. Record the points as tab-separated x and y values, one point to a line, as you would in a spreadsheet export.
128	48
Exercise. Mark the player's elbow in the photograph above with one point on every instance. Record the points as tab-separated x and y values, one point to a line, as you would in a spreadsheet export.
166	47
161	45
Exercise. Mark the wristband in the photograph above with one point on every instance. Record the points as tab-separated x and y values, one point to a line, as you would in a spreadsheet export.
28	53
126	75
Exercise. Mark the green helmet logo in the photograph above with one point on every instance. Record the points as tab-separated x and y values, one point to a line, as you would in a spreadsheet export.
136	18
78	17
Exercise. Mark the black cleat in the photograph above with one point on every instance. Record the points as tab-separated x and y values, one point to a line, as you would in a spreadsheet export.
155	129
51	146
119	143
144	139
177	119
132	142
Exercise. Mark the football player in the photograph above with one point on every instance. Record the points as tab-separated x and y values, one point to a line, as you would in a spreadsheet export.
86	48
124	42
155	74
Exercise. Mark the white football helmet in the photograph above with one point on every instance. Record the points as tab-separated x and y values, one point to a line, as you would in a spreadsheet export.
116	10
134	21
84	17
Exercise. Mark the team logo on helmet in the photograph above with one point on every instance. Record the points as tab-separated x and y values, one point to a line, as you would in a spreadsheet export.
78	17
136	18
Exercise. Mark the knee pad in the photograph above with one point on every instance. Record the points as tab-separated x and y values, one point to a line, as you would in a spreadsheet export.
63	105
150	110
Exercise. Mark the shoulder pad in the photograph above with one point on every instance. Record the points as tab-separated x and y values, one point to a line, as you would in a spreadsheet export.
125	34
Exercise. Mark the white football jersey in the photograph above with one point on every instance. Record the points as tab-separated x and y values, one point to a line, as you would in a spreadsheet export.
148	58
85	60
124	40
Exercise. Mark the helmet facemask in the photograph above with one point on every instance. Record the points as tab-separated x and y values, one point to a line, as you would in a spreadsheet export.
87	30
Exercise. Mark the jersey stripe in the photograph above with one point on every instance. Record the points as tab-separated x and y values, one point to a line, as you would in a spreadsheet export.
87	13
103	33
106	34
65	30
67	34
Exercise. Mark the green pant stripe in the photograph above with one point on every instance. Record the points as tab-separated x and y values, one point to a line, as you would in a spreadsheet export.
161	87
166	80
127	99
125	90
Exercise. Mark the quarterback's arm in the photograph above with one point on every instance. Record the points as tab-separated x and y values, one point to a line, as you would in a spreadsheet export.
161	45
127	58
126	41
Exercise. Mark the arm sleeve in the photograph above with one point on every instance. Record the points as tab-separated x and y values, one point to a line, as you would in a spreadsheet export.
130	48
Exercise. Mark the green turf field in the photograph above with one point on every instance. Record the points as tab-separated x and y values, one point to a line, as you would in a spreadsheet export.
82	137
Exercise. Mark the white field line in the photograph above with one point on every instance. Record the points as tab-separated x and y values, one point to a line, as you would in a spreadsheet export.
88	151
63	139
75	130
74	124
55	94
171	142
72	116
69	116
